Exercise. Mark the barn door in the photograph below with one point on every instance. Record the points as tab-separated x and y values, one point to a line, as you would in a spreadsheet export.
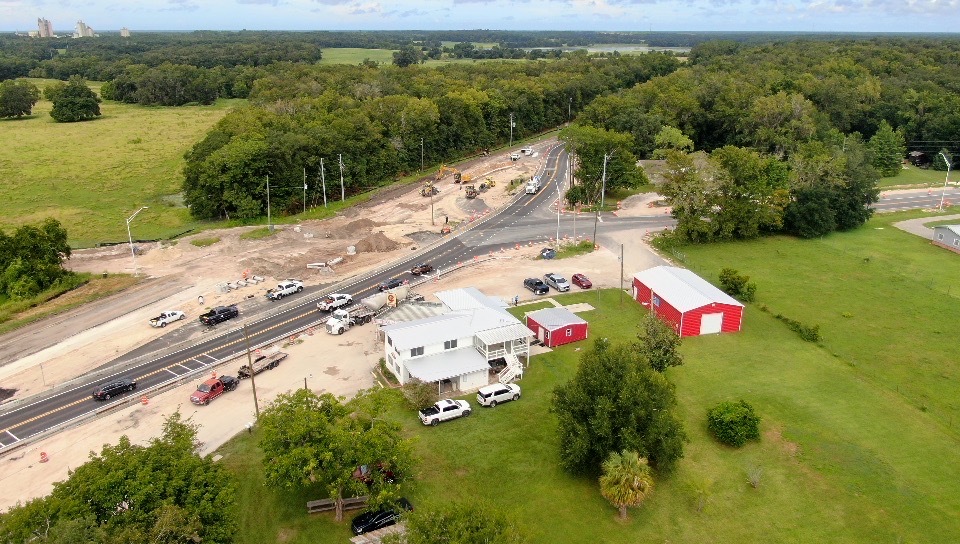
543	334
711	323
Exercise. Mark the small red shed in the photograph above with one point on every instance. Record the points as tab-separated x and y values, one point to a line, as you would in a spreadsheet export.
691	304
556	326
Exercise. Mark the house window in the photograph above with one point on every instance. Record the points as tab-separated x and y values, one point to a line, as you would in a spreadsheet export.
450	344
956	242
569	332
389	341
656	301
416	351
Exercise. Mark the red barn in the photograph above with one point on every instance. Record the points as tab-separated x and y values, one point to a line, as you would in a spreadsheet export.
556	326
691	304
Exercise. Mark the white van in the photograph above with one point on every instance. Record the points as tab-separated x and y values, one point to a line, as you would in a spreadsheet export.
497	393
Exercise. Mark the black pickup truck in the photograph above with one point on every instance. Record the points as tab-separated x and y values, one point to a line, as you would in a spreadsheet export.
219	315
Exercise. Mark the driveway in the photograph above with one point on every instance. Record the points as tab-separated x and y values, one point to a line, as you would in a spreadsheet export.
918	226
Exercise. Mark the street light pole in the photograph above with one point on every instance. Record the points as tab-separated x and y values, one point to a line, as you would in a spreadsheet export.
421	154
269	223
133	254
945	181
511	129
559	185
603	188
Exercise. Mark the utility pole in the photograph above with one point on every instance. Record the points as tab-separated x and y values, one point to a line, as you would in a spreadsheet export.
323	182
569	107
269	223
342	193
559	186
133	253
253	380
511	129
304	189
603	187
943	193
421	154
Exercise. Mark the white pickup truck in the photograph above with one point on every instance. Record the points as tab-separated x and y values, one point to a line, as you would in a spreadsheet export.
284	288
444	410
334	301
166	317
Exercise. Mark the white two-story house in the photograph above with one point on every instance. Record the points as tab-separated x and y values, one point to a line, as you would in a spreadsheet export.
455	349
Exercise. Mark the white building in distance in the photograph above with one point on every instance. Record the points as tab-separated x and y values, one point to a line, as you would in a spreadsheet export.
83	31
46	28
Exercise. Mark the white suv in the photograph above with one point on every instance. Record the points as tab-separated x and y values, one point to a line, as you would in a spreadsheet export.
492	395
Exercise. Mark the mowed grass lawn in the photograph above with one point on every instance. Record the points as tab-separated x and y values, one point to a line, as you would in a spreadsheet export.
92	175
860	432
355	55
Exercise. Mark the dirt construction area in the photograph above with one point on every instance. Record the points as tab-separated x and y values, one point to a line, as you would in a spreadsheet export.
391	226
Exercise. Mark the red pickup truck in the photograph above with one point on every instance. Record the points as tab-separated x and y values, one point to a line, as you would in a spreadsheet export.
213	388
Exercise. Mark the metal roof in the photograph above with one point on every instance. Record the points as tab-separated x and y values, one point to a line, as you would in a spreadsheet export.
446	365
952	228
554	318
504	334
683	289
432	330
411	311
469	298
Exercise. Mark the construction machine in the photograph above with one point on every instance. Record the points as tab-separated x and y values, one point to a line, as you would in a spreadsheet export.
488	183
470	191
428	189
444	170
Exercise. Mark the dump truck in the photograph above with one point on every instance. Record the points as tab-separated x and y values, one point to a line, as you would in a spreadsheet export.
261	363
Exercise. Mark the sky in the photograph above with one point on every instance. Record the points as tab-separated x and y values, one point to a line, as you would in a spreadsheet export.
628	15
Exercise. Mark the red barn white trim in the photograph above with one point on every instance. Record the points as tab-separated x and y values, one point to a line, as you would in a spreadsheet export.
689	303
556	326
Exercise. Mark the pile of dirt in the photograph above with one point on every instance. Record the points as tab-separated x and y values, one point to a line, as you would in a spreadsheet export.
377	242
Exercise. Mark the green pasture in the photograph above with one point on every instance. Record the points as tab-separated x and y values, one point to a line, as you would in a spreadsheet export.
355	55
92	176
859	433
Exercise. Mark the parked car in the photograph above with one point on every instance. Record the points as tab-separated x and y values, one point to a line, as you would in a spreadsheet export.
556	281
114	388
536	285
380	518
492	395
443	410
421	268
581	281
390	284
219	315
547	253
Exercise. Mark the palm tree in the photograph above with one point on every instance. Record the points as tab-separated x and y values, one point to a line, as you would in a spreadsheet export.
626	480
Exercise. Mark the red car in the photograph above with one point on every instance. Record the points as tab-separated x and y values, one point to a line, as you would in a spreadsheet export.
581	281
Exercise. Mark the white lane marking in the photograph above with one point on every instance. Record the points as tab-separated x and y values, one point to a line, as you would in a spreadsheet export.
13	435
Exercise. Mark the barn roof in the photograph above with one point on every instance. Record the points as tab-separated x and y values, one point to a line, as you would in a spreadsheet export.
553	318
952	228
683	289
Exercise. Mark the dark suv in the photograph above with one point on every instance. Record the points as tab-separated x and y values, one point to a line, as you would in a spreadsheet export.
390	284
114	388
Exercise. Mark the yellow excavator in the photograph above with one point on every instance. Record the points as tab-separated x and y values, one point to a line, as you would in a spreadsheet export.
458	176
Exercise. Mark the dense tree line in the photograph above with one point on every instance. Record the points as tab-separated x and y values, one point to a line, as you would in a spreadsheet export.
163	492
31	259
792	137
375	120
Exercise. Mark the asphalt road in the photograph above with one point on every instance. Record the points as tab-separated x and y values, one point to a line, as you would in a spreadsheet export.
919	199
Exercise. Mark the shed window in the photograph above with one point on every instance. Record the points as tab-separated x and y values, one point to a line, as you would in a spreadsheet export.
450	344
416	351
656	301
957	242
939	236
569	332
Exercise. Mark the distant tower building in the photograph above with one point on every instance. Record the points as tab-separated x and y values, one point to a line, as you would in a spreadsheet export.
83	31
124	32
45	27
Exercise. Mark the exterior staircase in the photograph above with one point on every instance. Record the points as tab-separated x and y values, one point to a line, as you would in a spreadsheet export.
513	370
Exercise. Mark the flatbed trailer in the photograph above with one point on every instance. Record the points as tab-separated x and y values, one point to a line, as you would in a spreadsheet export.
261	363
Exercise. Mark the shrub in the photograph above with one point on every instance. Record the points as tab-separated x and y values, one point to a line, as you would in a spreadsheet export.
419	394
204	242
733	423
737	285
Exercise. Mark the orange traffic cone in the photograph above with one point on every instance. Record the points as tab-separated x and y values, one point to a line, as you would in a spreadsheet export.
43	457
144	400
